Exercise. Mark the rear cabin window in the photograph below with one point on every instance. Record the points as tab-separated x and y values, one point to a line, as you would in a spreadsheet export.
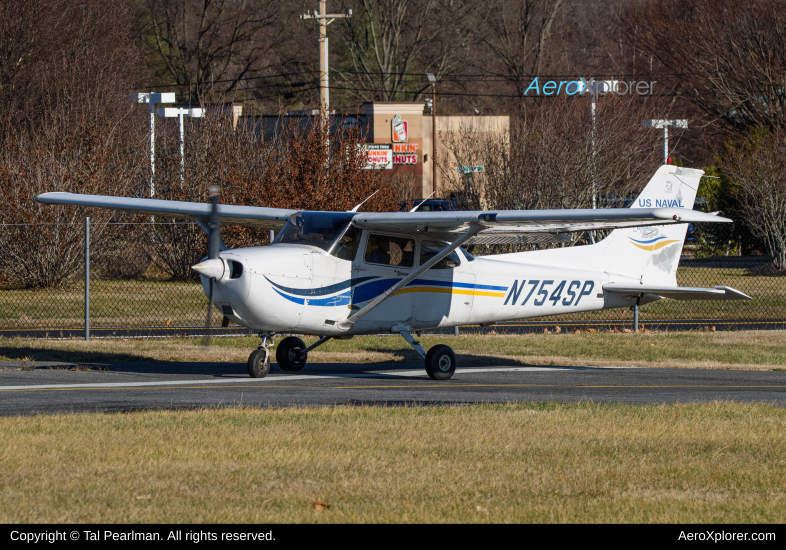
393	251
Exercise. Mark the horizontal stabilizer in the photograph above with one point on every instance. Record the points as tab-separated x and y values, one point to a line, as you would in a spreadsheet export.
678	292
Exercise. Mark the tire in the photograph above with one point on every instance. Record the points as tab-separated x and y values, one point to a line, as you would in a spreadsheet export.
259	363
288	354
440	362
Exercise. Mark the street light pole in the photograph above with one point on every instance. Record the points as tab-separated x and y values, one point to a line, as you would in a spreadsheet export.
665	125
151	99
180	112
433	81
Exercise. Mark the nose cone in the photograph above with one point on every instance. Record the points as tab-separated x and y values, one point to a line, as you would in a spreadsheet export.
212	269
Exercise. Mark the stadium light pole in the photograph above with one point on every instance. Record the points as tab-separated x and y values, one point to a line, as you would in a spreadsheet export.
433	81
665	125
151	98
180	112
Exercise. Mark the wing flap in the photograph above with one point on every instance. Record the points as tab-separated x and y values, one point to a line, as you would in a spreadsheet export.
249	216
678	292
507	237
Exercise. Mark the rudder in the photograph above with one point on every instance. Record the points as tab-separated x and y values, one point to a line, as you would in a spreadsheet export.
652	254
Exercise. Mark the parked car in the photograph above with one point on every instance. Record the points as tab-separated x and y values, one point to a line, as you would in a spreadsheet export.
430	205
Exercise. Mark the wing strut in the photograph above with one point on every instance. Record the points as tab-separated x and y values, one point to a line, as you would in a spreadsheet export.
347	323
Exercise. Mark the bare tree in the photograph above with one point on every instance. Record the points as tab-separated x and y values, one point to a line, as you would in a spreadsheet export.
64	55
42	246
518	35
211	46
65	67
756	165
728	57
389	40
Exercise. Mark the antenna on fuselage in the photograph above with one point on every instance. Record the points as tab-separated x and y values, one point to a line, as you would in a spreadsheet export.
361	204
421	202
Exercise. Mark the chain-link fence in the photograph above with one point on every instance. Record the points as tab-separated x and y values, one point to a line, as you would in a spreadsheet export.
131	294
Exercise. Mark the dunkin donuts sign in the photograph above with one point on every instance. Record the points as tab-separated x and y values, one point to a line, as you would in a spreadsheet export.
403	152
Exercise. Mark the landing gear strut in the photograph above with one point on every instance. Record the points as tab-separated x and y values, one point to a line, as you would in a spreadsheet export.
440	360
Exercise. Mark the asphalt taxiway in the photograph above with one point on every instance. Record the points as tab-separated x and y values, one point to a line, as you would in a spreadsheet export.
49	387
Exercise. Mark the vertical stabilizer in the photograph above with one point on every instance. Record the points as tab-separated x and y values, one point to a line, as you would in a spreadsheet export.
651	254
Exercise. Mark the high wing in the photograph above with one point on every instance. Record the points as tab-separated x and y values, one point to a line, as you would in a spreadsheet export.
498	226
508	226
678	292
249	216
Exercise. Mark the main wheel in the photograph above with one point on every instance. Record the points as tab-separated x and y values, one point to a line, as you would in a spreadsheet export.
259	363
289	354
440	362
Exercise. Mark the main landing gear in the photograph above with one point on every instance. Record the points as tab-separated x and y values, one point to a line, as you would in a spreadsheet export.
440	360
291	355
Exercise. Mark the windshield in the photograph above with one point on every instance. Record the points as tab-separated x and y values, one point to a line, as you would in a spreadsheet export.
320	229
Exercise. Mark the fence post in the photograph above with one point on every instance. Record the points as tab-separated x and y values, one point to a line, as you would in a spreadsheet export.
636	315
87	278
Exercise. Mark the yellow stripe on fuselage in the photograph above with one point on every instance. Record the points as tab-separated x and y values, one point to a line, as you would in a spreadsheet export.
450	291
655	246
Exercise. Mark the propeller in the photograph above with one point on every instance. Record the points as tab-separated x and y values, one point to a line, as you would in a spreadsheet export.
213	267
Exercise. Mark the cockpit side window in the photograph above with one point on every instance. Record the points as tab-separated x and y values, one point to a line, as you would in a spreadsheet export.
429	249
347	246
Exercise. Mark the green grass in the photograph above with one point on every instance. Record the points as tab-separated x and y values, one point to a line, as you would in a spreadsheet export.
492	463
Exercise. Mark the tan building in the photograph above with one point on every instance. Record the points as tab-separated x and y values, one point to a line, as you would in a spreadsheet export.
400	138
408	132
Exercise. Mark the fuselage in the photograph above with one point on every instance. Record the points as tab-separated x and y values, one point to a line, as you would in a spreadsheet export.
305	289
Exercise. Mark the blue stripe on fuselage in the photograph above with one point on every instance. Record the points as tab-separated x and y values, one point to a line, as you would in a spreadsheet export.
363	291
325	290
291	298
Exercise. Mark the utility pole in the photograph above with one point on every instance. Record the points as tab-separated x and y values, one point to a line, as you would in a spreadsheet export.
323	20
433	81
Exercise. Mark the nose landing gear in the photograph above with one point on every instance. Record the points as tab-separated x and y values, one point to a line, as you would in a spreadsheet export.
259	360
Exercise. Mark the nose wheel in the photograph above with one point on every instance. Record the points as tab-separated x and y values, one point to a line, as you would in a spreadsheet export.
259	360
259	363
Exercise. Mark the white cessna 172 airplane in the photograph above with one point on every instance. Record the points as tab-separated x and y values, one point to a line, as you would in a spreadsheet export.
340	274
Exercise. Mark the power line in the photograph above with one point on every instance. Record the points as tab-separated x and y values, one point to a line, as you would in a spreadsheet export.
450	77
